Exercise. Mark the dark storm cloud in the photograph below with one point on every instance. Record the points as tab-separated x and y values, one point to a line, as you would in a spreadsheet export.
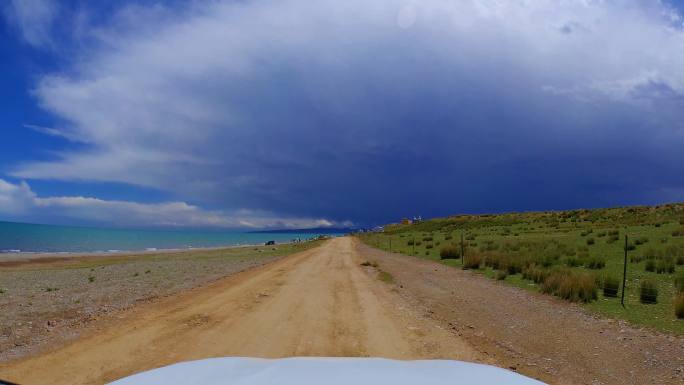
367	111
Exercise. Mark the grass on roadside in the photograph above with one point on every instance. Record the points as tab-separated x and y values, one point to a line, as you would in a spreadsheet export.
525	249
385	277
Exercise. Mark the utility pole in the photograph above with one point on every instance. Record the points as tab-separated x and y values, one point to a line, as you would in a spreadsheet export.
624	274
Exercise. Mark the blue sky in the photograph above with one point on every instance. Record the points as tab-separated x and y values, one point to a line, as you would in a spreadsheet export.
294	113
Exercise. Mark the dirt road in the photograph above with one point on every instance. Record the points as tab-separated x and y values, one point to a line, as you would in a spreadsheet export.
539	335
320	302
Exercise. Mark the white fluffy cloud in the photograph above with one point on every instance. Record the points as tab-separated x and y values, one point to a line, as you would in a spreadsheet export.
33	19
19	201
323	107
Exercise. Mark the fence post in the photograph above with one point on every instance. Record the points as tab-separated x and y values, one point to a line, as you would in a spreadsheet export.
390	244
624	274
462	250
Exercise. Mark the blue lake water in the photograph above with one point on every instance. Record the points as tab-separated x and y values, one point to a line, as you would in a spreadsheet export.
26	237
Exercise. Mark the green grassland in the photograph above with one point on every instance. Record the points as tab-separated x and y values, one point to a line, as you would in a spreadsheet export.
572	254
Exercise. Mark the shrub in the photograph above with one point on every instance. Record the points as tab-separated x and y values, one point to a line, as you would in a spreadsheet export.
601	234
650	265
611	285
449	252
410	242
501	275
596	263
679	305
678	233
631	247
472	261
641	241
447	237
427	239
91	279
429	246
571	285
648	291
665	266
680	260
590	241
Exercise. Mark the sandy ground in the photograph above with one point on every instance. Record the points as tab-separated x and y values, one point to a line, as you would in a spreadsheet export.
48	301
320	302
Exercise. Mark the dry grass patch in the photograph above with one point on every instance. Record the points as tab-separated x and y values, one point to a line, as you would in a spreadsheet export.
571	285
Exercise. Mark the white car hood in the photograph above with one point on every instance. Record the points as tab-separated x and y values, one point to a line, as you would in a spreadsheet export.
329	371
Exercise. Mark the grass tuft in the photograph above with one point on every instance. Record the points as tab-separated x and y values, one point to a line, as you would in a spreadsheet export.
472	261
648	291
665	266
449	252
596	263
535	273
571	285
385	277
679	305
611	285
679	282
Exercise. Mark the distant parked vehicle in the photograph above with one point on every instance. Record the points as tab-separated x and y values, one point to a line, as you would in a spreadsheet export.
269	243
